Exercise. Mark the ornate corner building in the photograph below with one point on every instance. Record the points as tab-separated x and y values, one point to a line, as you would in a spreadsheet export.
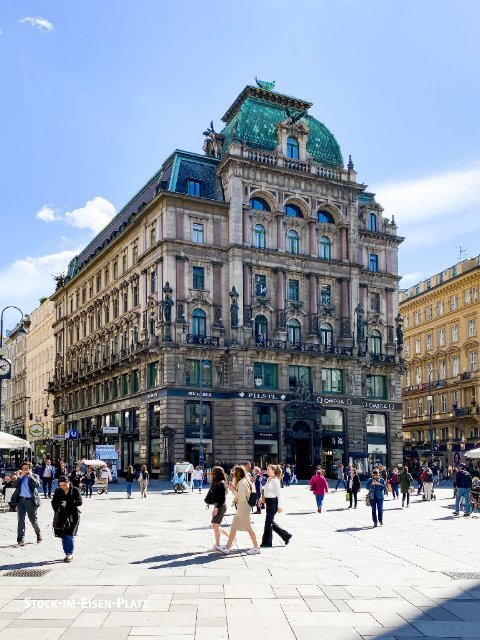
439	390
232	283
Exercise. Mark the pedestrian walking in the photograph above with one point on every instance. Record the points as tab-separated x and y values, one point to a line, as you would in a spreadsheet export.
382	472
143	478
26	499
65	503
241	487
319	487
197	477
47	474
294	474
89	481
257	481
377	489
463	481
353	487
217	496
76	476
273	504
420	483
475	497
287	476
394	481
427	478
130	477
406	486
340	476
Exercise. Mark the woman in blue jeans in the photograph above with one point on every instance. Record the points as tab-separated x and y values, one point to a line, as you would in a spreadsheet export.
377	490
65	503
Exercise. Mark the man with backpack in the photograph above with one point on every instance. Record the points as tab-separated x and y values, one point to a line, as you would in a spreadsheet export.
463	480
427	478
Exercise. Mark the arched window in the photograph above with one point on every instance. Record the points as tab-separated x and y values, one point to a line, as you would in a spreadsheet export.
261	328
375	342
293	244
292	148
325	216
294	331
199	323
325	252
259	204
372	222
326	334
259	236
293	211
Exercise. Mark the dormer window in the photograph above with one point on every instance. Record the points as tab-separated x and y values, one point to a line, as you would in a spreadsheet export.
259	204
292	148
194	188
325	217
372	222
292	211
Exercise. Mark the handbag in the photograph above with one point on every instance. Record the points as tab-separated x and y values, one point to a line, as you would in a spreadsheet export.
347	496
61	520
389	487
367	500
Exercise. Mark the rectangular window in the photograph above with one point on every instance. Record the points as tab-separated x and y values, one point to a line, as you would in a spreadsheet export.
417	345
442	369
441	337
471	327
135	254
428	313
332	381
125	301
260	285
443	403
198	233
265	416
135	295
153	281
372	262
455	368
429	342
192	373
466	296
407	322
99	282
192	420
135	383
474	294
453	303
375	302
265	376
124	262
298	375
125	384
115	388
293	290
326	295
440	308
473	360
194	188
406	349
376	424
198	278
376	387
420	407
153	375
115	269
153	235
107	276
454	332
408	409
416	318
418	375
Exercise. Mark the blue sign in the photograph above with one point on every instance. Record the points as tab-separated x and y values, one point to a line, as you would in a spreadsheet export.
73	434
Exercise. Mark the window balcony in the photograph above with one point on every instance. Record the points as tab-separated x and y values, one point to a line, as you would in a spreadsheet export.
208	341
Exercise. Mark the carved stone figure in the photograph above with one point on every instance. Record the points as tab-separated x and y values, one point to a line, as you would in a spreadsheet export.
167	308
302	390
234	313
360	326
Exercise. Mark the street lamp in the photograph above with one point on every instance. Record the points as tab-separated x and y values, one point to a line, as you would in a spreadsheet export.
430	410
22	329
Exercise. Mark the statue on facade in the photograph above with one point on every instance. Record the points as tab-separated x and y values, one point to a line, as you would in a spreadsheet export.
167	303
399	332
302	390
234	308
360	325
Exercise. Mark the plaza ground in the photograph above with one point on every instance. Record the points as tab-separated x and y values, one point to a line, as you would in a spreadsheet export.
142	569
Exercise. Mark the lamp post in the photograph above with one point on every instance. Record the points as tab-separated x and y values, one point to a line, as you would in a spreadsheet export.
430	411
201	453
21	330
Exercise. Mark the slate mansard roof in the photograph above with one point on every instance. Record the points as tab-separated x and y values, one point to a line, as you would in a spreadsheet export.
177	169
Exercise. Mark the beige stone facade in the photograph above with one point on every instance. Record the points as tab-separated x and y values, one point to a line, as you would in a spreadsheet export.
15	390
441	323
40	361
274	274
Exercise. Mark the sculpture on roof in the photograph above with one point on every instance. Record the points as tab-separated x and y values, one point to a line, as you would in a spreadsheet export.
263	84
213	142
294	116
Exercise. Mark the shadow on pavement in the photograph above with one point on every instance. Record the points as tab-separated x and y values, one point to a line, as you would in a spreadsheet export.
28	565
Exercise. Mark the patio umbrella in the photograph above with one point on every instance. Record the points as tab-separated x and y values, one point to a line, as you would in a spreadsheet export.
7	441
93	463
473	453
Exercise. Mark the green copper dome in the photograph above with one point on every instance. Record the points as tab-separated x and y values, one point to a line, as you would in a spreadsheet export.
253	117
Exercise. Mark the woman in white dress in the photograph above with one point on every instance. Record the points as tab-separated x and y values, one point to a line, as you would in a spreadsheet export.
273	503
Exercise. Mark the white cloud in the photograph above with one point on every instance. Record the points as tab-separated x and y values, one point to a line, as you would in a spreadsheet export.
410	278
94	214
47	214
26	280
42	24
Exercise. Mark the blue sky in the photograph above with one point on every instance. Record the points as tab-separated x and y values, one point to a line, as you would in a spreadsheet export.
97	94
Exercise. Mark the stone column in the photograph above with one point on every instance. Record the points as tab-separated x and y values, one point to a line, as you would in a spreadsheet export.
390	320
180	317
280	320
345	329
312	303
344	235
247	295
280	232
312	238
217	295
246	231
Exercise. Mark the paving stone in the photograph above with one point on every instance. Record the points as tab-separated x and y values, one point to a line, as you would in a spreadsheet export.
463	610
43	633
324	632
87	633
459	629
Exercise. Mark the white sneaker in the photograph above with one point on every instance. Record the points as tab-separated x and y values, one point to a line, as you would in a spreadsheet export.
253	551
222	549
214	548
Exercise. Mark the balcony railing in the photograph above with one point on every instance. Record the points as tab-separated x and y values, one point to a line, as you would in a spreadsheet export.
462	412
381	357
304	346
209	341
313	168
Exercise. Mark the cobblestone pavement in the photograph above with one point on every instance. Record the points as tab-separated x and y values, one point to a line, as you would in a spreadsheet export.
142	569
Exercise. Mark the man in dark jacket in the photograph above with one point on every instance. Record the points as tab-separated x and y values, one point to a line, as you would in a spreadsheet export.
27	501
463	481
47	474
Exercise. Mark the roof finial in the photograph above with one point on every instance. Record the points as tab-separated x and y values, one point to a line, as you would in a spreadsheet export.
263	84
350	163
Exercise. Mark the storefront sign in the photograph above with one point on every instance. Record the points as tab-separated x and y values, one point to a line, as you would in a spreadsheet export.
36	430
334	401
389	406
111	430
250	395
59	436
106	452
266	435
73	434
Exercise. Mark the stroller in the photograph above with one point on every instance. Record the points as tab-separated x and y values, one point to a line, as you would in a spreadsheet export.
182	477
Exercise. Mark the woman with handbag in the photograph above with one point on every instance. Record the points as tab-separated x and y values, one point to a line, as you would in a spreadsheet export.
319	487
272	498
406	486
65	503
143	479
377	489
241	487
217	496
353	487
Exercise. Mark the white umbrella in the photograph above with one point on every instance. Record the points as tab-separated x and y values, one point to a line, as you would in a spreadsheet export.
7	441
93	463
473	453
